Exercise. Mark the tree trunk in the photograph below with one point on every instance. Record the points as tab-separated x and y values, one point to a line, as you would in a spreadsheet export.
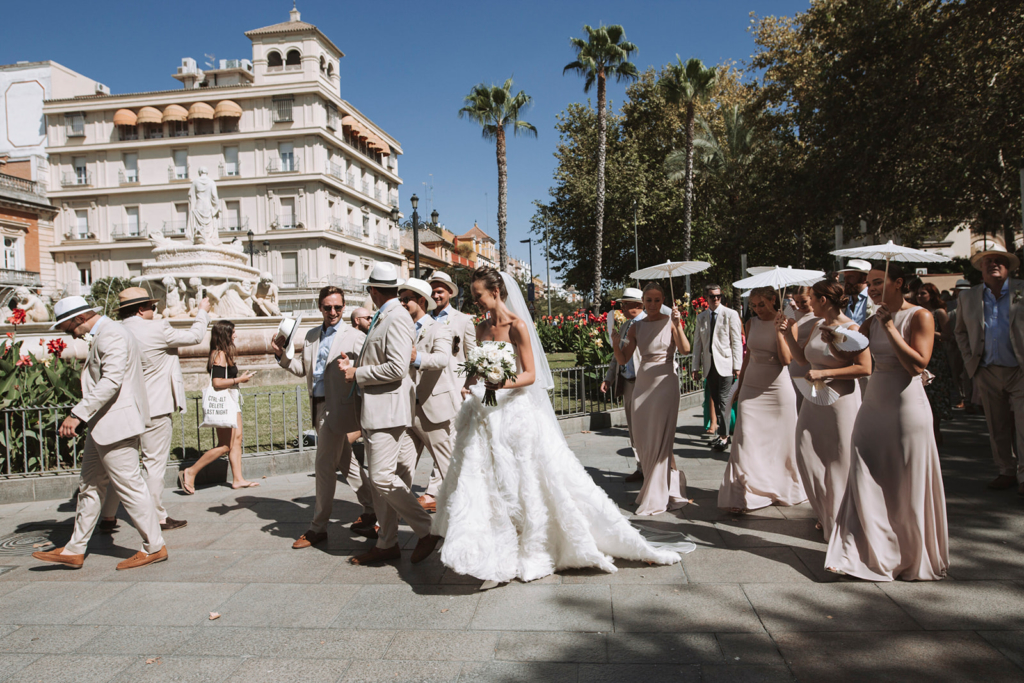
688	199
502	200
602	125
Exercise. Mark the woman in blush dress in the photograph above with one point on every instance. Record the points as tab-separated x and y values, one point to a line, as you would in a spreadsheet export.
762	466
823	431
940	389
892	521
805	320
656	401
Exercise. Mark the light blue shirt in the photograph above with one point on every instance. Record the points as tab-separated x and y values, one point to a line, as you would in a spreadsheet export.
627	370
857	310
99	324
419	326
998	349
324	350
443	313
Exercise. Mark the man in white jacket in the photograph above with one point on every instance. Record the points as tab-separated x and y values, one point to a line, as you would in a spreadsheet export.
718	354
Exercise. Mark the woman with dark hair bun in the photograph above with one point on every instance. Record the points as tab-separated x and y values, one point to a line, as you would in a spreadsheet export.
940	389
823	431
892	521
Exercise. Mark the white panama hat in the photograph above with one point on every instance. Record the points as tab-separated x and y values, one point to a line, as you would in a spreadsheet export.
384	275
446	280
421	288
70	306
632	294
288	328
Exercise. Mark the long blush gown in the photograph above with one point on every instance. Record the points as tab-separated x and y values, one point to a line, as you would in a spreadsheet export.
762	466
805	323
655	412
823	436
892	521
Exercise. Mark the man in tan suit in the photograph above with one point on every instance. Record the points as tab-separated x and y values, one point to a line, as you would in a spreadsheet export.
437	395
115	407
165	391
462	326
382	376
622	379
718	354
335	411
990	334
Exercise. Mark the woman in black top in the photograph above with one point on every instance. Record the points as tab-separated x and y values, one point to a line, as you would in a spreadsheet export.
223	375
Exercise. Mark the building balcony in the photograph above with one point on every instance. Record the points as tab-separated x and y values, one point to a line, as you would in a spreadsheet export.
19	278
352	182
379	195
234	224
228	170
79	178
128	231
336	171
381	241
393	198
10	182
285	165
366	188
284	222
79	236
178	174
128	177
174	228
338	225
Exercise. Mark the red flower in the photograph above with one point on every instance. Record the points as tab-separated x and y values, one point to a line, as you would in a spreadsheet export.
17	317
613	302
24	362
56	347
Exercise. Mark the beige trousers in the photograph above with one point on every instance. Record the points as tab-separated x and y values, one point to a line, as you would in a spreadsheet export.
391	461
439	439
1002	394
627	400
156	451
116	464
334	454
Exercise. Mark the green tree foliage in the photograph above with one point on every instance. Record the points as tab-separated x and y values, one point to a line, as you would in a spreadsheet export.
104	293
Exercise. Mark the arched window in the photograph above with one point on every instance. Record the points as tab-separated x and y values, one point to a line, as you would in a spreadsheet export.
323	64
274	62
292	60
330	71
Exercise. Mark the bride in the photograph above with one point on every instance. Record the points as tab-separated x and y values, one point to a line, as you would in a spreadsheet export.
516	503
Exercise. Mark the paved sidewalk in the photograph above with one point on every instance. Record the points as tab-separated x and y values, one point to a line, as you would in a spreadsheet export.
752	603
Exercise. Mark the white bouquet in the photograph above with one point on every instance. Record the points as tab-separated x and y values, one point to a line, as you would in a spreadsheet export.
494	362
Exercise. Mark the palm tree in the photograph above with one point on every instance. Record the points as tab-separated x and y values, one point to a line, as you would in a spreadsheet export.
684	85
495	109
605	53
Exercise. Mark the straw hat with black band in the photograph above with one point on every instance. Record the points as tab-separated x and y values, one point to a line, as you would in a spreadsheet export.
1012	260
134	296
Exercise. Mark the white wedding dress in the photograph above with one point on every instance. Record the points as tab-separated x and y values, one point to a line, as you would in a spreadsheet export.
516	503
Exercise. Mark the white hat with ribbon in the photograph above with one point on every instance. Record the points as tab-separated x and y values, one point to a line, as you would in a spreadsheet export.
420	288
288	328
444	279
70	306
383	275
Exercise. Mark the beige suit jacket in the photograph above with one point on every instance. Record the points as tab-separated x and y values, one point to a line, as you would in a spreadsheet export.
114	402
341	403
158	344
613	376
725	350
970	324
383	371
463	335
436	389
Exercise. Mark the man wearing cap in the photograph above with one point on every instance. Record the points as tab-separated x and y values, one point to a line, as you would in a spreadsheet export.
855	286
335	410
622	379
115	407
437	393
718	352
990	333
165	390
382	378
462	326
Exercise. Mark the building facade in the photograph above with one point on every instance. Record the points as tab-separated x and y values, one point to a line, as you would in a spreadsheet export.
305	180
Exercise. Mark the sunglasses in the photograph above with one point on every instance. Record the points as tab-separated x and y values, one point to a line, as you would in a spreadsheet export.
329	309
407	299
714	296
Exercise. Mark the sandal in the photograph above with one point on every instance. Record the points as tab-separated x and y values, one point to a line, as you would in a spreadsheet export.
246	485
181	484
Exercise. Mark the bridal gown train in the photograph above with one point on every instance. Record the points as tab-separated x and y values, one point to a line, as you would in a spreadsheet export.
516	502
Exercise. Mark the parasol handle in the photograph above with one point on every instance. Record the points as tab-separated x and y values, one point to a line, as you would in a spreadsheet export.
885	280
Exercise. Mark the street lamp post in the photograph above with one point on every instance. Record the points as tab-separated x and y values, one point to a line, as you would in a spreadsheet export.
530	289
415	201
253	250
547	258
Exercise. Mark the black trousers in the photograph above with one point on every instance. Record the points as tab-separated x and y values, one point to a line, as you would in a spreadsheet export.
719	388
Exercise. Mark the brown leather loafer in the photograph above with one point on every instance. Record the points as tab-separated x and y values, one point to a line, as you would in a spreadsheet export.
73	561
141	559
169	524
424	547
1003	481
636	476
377	555
427	503
106	526
309	538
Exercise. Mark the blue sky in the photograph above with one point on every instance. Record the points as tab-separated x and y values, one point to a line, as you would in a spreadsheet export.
407	66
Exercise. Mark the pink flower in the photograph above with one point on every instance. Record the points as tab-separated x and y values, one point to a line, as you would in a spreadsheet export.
24	362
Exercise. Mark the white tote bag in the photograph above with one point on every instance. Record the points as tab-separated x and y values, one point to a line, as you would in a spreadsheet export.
220	410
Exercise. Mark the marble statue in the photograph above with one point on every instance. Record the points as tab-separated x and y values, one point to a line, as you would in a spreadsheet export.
203	210
195	286
266	296
174	308
33	305
232	299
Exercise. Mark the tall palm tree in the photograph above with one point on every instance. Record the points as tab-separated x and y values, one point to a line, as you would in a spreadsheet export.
605	53
684	85
495	109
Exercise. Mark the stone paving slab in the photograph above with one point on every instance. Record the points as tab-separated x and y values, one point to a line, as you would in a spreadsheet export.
752	603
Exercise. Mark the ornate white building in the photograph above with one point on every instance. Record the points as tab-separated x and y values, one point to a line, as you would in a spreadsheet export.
311	177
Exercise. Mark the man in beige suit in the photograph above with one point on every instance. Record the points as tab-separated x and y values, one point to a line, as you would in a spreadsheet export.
115	407
437	395
335	411
990	334
165	391
382	377
718	354
462	326
622	379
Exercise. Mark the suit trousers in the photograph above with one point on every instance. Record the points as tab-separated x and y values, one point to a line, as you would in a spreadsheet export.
1002	394
439	440
628	385
719	388
391	461
156	451
116	464
334	454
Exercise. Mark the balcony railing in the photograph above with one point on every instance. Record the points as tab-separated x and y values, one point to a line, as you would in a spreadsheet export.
128	231
381	241
284	222
284	165
76	178
393	198
14	278
354	230
11	182
366	188
336	171
178	173
234	224
352	180
128	177
379	194
226	170
395	246
76	235
174	228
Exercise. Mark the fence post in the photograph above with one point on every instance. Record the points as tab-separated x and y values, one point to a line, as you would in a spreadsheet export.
298	417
